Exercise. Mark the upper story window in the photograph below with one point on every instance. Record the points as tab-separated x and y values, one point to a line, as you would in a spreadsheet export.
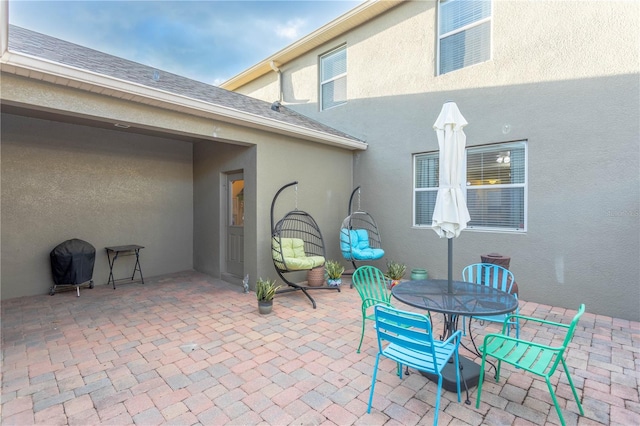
464	33
496	189
333	78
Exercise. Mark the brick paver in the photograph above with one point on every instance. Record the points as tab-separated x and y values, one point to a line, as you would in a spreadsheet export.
188	349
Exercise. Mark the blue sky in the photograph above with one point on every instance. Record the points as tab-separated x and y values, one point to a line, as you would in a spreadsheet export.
210	41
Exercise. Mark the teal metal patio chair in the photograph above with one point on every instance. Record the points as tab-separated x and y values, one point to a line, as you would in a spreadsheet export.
494	276
407	338
371	285
541	360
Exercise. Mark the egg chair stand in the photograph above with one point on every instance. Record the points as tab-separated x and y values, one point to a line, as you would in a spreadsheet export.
359	235
297	245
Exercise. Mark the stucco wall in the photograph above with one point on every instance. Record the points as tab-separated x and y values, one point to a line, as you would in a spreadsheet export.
212	160
324	174
325	177
553	80
62	181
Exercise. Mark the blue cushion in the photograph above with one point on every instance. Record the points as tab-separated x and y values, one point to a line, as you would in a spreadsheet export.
345	246
354	244
362	237
367	254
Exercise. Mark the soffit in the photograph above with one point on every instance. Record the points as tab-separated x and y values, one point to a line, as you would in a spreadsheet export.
62	117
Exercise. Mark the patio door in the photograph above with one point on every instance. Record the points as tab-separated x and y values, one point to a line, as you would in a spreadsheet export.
235	224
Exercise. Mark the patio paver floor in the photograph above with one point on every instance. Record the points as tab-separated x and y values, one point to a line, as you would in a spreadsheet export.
189	349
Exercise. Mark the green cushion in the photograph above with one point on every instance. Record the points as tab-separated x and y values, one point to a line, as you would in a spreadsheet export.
303	263
294	256
298	248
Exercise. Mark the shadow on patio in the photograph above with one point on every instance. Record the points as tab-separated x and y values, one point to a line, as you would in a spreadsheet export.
188	349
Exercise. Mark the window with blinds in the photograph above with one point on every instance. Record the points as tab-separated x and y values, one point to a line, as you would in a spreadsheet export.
496	189
464	33
427	171
333	78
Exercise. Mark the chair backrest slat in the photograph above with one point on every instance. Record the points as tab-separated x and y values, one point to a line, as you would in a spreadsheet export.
371	283
407	329
489	274
572	327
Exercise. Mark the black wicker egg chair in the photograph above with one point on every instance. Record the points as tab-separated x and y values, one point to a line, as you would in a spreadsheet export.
359	235
297	245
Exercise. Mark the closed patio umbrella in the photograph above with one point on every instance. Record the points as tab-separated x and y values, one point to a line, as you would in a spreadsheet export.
450	214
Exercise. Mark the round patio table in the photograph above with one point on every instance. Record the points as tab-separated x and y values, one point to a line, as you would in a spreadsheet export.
465	299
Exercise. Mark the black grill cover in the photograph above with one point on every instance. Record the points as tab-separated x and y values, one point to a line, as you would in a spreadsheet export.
72	262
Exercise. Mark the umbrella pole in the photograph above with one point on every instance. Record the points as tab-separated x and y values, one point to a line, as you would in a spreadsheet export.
450	266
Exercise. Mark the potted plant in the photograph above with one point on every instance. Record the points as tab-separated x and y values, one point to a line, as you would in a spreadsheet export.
334	272
395	272
265	291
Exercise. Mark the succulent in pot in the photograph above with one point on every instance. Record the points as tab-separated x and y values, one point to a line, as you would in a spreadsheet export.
395	272
265	292
334	271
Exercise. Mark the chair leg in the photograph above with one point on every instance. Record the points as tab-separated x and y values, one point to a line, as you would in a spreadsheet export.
555	400
573	388
457	365
480	380
364	320
373	382
437	409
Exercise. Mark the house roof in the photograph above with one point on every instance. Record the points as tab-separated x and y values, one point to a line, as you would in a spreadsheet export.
344	23
41	56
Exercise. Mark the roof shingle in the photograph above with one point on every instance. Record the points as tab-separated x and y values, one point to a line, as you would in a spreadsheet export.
28	42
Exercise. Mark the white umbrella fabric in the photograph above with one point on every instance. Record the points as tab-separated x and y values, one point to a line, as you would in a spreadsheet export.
450	214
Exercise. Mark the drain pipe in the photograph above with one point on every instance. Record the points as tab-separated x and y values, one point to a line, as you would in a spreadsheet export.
4	27
277	70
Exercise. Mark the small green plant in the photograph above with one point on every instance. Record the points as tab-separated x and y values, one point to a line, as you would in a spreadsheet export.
266	290
395	270
334	269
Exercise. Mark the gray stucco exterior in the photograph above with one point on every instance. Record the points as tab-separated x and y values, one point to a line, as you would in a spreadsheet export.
563	76
109	188
158	180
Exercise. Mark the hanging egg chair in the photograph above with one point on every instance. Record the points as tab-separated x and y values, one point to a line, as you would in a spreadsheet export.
297	245
359	235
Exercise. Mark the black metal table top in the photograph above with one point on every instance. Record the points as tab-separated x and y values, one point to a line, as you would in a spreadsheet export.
466	299
129	247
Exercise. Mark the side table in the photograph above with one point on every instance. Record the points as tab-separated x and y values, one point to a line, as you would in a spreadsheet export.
128	250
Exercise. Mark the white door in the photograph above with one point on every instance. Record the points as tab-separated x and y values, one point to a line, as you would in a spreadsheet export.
235	224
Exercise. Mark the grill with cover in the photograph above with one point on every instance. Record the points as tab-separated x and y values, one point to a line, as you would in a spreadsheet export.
72	264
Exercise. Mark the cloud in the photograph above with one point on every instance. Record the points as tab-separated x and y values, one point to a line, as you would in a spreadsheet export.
209	41
291	30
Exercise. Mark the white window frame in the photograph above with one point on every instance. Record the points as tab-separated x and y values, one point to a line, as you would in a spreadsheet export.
469	26
505	146
333	78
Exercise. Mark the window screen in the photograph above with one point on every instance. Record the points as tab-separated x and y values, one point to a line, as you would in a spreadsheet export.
333	78
496	183
496	189
464	33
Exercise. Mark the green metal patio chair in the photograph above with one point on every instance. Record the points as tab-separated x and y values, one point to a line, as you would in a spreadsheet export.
541	360
407	338
371	285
